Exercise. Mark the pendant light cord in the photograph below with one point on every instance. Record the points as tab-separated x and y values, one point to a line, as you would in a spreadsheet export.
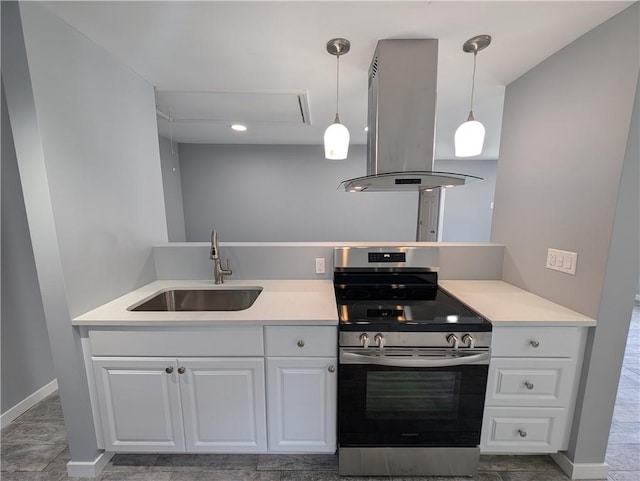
337	82
473	80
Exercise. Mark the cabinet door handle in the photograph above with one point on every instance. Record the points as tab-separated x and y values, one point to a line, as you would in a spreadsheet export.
300	343
169	370
528	385
534	343
181	370
523	434
331	368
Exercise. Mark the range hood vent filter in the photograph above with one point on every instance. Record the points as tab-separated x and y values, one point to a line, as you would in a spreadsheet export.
406	181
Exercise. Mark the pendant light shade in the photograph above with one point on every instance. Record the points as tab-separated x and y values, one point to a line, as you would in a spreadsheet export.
336	141
336	137
469	138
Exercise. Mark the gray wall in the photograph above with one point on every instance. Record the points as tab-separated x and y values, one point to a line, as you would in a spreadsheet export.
90	172
565	134
296	260
102	154
606	344
468	209
290	193
25	342
172	186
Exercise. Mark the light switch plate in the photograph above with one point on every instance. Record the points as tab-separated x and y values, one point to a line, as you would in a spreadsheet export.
562	261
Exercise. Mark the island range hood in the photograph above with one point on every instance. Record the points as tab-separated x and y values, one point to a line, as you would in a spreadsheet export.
401	120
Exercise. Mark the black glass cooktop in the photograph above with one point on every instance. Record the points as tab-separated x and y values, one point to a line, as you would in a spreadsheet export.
438	312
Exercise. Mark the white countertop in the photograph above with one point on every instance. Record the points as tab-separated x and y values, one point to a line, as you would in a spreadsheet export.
295	302
507	305
281	302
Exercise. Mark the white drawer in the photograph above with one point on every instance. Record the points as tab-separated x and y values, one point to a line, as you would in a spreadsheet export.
536	341
183	341
530	382
524	430
301	341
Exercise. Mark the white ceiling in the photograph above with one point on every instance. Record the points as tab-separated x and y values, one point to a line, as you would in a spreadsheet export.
278	47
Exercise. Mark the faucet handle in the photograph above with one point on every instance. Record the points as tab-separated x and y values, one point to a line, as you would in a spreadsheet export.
214	244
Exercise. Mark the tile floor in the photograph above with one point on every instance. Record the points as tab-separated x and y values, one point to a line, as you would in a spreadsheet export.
34	449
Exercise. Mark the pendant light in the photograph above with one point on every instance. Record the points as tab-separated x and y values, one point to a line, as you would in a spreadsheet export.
469	137
336	137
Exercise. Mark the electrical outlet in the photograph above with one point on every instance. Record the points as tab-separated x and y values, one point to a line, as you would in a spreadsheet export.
320	265
562	261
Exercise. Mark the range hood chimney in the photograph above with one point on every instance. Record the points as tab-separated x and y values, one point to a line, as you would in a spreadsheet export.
401	120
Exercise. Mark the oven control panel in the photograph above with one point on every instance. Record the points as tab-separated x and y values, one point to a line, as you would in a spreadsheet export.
451	340
387	257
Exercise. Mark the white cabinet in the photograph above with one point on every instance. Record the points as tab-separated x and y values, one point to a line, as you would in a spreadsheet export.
223	405
176	405
302	389
200	390
180	389
531	389
139	404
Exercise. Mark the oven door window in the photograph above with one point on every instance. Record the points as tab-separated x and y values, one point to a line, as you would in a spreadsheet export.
412	395
389	406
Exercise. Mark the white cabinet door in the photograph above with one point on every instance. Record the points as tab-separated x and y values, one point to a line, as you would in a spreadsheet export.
139	403
302	404
223	404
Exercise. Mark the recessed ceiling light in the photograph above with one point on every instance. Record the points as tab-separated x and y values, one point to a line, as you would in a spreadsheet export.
239	127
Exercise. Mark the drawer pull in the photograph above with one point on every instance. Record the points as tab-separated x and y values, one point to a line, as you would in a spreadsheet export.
181	370
300	343
169	370
534	343
331	368
528	385
523	434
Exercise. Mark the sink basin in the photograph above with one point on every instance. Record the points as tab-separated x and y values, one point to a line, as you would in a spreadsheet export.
200	300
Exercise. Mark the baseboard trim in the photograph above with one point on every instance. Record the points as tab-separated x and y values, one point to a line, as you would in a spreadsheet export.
23	406
88	469
581	470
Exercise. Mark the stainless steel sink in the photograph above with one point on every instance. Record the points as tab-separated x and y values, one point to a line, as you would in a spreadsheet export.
200	300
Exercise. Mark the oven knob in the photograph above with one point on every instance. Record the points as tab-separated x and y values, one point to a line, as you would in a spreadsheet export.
365	340
453	340
469	341
380	340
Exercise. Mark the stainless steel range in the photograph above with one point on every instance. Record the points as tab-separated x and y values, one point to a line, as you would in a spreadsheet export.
413	367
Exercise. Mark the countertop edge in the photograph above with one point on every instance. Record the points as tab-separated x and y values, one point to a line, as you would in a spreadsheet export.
206	323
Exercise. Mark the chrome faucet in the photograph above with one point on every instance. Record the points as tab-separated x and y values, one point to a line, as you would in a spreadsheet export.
218	271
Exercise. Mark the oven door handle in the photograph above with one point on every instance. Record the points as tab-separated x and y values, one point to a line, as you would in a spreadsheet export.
352	358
